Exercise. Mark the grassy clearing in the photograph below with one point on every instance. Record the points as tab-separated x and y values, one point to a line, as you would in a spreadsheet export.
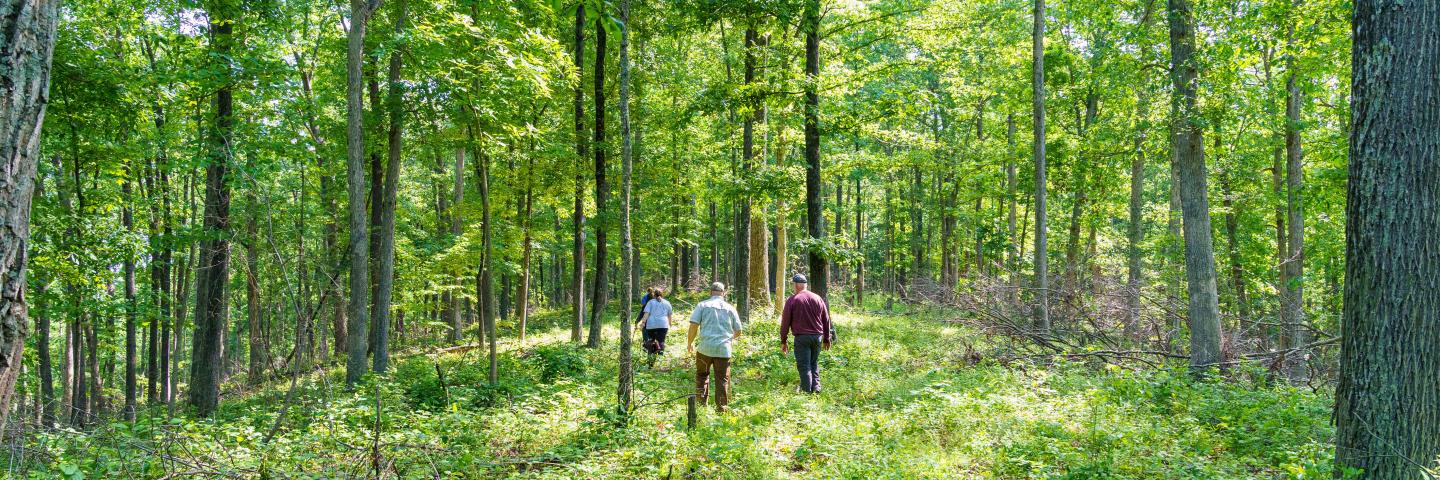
900	401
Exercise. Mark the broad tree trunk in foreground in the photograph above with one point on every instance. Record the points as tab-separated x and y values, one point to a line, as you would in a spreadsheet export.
1387	409
25	53
1037	82
1204	308
602	190
211	308
357	335
815	225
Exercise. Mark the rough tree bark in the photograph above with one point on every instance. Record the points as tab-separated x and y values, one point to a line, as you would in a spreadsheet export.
744	222
385	273
1295	332
814	223
1204	309
25	53
1387	410
211	308
602	190
357	335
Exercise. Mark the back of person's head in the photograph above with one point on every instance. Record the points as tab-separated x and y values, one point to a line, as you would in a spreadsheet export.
717	288
658	292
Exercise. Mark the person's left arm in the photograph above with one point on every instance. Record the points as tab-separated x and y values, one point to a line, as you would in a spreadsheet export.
739	327
827	333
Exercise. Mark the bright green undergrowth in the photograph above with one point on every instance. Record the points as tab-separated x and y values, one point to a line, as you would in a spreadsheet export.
901	400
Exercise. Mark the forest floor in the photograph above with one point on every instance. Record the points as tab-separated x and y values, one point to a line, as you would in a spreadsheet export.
906	395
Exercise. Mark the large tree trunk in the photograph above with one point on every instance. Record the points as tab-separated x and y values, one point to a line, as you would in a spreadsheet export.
745	224
626	376
1042	276
486	291
211	307
577	273
25	80
385	273
602	190
1295	332
357	337
1387	412
1204	309
814	223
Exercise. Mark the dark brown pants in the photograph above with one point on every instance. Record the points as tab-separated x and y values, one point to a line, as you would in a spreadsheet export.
721	367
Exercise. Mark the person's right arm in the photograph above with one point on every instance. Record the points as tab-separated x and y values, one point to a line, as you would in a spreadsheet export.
694	328
690	337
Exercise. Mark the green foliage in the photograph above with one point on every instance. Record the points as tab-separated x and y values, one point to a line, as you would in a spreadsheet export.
898	403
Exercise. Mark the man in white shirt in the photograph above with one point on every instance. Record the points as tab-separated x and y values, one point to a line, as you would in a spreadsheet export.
717	324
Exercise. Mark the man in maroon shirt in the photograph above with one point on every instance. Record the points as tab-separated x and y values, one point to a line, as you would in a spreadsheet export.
808	317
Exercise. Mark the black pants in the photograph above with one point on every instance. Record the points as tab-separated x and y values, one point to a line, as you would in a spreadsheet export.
807	362
655	340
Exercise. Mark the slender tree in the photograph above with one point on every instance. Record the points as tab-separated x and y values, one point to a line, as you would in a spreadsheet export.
386	272
627	245
131	307
1387	413
577	271
1037	82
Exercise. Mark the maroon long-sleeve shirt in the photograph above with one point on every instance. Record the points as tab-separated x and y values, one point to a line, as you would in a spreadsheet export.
805	313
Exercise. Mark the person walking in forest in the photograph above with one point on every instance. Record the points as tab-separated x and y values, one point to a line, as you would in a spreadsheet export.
655	320
717	324
808	317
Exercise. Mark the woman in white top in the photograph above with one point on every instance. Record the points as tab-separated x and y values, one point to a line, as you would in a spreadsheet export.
655	319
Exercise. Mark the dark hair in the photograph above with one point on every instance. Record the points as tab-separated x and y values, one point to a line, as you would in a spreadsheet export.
657	292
